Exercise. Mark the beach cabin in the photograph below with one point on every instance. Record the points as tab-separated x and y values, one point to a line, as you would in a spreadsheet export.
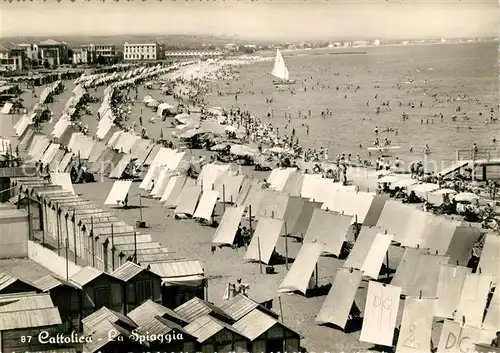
214	335
109	337
14	233
67	297
17	313
105	314
182	280
99	289
267	334
196	307
139	285
153	318
11	285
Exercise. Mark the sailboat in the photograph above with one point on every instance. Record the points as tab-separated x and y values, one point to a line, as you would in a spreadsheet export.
280	71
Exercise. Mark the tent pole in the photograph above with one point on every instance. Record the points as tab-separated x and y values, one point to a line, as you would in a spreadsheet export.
286	247
224	197
67	234
74	234
67	259
140	207
260	259
250	219
316	275
58	223
281	308
112	248
46	221
135	246
356	227
92	239
387	270
29	219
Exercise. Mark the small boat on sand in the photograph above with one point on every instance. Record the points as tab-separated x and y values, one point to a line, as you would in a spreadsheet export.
384	150
280	71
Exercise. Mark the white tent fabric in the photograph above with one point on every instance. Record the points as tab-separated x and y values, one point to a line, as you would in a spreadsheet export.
350	202
308	185
380	314
329	229
173	191
206	205
473	299
120	167
210	173
395	218
228	226
72	140
281	179
82	146
297	278
449	289
64	180
21	125
50	153
105	125
228	186
457	338
418	312
5	145
6	108
161	184
413	236
264	240
60	127
161	159
375	256
40	148
188	200
114	138
338	303
492	319
490	257
118	192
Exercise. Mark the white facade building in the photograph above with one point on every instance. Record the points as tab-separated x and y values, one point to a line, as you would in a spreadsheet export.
145	51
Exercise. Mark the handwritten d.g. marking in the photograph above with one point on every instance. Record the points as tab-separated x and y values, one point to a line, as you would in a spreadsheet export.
386	303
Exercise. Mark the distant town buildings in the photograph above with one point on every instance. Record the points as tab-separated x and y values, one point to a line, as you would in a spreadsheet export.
142	51
231	47
189	54
56	53
11	57
101	54
376	42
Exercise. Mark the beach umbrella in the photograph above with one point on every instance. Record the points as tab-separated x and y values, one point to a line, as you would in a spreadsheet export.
182	118
220	147
466	197
404	183
388	179
241	150
444	191
277	150
382	173
191	133
421	190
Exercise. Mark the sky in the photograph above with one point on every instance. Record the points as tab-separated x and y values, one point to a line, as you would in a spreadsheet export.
262	19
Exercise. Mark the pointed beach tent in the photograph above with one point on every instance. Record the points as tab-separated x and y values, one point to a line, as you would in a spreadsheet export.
264	240
118	192
228	226
205	207
330	229
298	277
188	200
339	301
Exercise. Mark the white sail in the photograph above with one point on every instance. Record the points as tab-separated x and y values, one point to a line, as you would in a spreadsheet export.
280	70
